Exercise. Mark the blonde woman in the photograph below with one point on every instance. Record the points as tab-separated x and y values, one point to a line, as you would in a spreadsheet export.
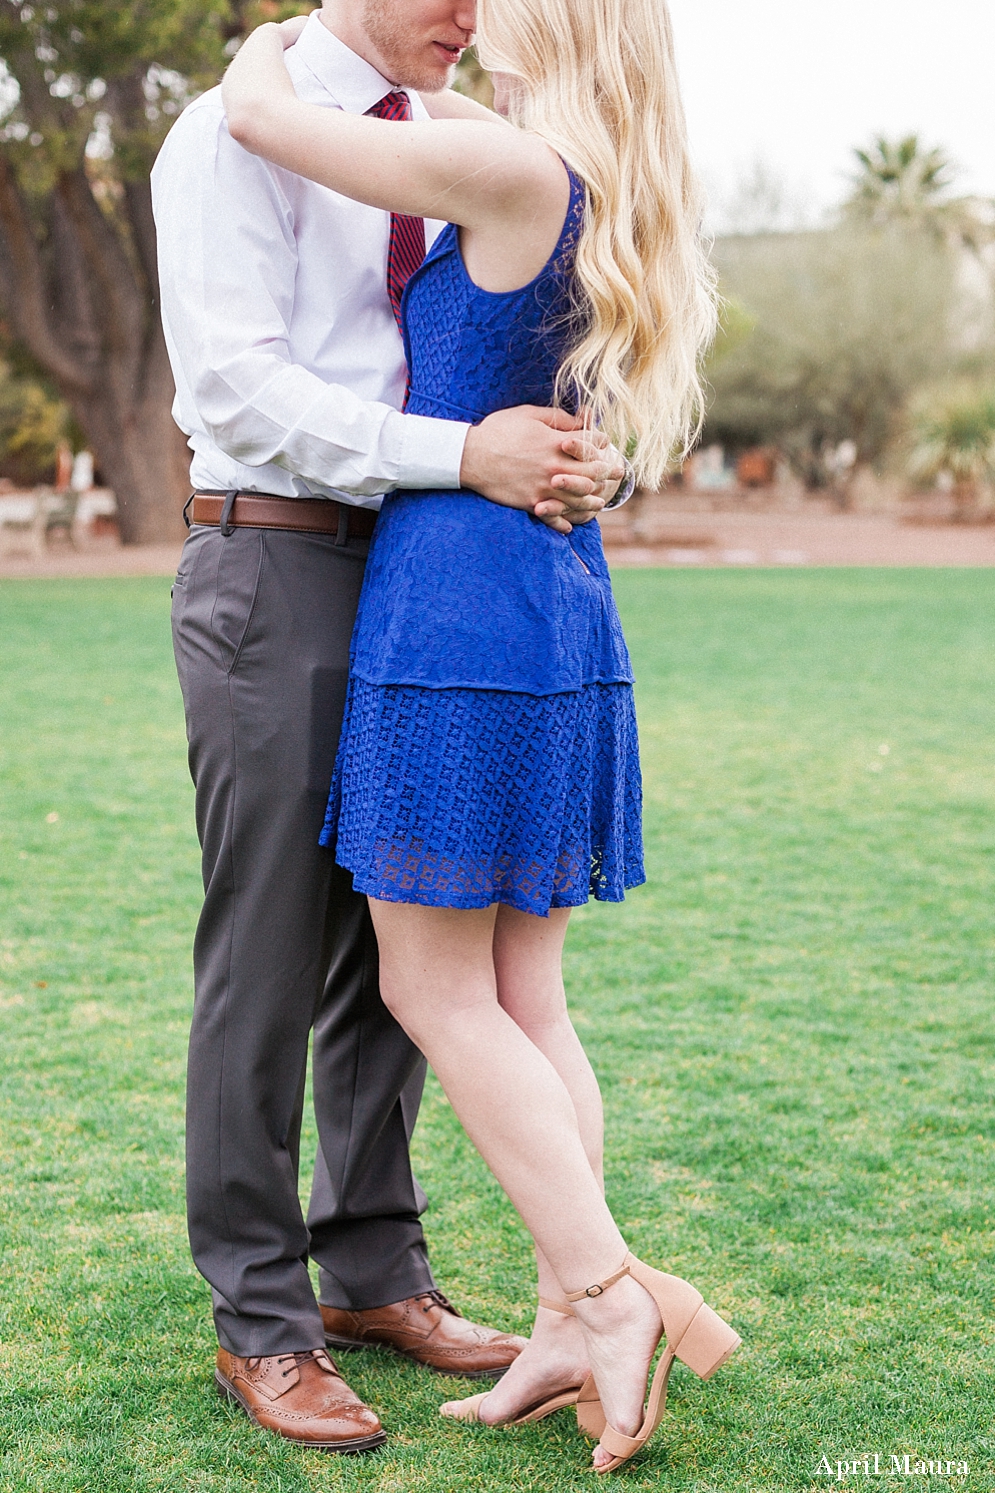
487	778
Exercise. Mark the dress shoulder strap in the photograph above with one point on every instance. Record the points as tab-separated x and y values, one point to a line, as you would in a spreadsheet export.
561	260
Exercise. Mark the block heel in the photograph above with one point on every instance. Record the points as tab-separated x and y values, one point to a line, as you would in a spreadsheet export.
707	1344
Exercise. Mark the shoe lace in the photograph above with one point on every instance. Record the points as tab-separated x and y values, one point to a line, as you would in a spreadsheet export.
437	1298
296	1359
292	1360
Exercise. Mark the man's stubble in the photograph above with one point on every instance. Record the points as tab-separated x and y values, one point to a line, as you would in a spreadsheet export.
399	44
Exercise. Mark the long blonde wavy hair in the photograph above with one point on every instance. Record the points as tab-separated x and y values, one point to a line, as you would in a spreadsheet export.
600	86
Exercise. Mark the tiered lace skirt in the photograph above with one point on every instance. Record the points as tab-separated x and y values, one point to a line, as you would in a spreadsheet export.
466	797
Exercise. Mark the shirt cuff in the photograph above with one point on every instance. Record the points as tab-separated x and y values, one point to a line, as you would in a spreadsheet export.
431	451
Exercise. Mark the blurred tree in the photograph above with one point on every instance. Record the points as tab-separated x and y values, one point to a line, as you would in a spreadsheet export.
903	182
954	433
736	326
829	334
762	200
88	89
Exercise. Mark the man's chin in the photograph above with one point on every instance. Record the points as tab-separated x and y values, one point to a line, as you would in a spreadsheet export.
424	76
438	84
426	81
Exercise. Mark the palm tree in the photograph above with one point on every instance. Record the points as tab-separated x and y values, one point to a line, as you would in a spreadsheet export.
957	436
899	178
903	182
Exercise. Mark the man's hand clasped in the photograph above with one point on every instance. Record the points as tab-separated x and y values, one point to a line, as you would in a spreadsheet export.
543	460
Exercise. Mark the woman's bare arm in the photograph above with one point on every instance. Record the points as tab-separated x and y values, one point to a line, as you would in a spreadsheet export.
448	104
461	169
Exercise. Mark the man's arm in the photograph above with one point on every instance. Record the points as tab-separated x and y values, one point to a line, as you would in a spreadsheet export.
228	260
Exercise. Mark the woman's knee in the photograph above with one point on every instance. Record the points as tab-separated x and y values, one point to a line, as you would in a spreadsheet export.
409	992
393	993
434	963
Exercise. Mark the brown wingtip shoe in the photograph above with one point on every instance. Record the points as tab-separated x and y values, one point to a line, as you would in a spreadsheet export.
301	1396
428	1329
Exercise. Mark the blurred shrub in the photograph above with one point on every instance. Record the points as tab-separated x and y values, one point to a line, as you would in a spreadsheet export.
33	424
829	334
952	433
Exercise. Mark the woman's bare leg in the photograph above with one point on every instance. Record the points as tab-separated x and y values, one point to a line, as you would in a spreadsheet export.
528	955
437	975
528	966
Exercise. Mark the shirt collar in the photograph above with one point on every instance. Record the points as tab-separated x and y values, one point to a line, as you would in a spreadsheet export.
349	80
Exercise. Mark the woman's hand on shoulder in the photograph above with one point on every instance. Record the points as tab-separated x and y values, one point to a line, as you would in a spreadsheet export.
257	87
290	30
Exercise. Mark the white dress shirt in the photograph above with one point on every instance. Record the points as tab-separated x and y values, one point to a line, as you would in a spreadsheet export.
288	363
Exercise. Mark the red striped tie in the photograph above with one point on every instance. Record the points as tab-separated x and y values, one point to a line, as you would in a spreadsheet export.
407	235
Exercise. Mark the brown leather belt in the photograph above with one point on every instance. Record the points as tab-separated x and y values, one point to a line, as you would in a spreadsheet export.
259	510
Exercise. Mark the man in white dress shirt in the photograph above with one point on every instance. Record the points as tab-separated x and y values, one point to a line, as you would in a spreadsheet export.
290	378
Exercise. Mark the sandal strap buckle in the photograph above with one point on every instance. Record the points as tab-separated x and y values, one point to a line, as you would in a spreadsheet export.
599	1288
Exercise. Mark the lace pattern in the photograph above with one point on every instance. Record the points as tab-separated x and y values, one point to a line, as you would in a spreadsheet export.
471	351
465	797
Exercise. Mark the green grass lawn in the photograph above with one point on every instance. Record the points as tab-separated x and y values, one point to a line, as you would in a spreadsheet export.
791	1022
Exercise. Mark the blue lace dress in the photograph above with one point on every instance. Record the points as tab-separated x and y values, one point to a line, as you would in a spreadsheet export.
488	750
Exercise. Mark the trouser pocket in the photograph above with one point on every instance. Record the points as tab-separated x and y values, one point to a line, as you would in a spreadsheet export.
239	567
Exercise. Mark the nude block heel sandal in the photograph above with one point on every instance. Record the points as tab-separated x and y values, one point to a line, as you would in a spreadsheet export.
694	1333
469	1409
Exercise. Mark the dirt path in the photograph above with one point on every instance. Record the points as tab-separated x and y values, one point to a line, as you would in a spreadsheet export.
96	561
684	538
676	538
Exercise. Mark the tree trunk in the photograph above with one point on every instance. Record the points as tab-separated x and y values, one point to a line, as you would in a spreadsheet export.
140	451
83	297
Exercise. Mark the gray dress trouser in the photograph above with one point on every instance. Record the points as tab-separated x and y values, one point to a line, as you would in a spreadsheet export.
261	627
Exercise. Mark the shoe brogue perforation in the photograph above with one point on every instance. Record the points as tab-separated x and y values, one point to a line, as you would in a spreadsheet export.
302	1397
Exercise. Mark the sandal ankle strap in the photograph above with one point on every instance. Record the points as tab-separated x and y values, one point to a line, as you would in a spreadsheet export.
563	1307
599	1287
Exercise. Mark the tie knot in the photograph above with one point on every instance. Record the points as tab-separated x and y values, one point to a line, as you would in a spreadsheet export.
394	105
